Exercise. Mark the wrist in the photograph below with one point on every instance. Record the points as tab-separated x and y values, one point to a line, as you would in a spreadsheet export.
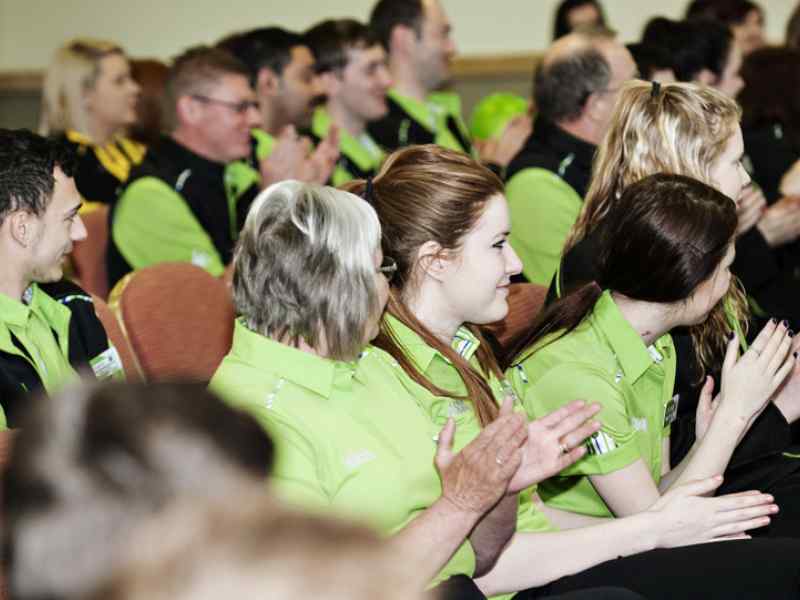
651	531
456	511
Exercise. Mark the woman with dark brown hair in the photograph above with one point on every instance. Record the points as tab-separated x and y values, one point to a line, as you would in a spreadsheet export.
445	222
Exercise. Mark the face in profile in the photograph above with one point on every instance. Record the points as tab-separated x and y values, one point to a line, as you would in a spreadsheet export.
112	99
585	15
476	279
709	293
382	278
364	83
749	34
435	47
300	92
54	232
727	172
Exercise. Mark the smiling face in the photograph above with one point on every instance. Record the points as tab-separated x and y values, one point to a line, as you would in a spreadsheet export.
111	101
727	172
363	83
53	233
476	278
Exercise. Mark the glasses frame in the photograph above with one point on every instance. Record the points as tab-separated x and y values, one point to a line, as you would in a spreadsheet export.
388	267
239	108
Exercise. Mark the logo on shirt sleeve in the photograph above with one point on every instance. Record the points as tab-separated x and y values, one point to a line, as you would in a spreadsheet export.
600	443
107	365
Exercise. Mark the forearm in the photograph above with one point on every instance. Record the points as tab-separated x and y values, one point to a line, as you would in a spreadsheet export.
431	539
568	520
534	559
493	533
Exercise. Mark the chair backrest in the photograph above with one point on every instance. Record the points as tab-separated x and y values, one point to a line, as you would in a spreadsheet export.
525	301
178	318
89	255
117	337
6	439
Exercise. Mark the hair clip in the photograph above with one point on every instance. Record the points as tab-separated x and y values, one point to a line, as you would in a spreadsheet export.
368	190
656	89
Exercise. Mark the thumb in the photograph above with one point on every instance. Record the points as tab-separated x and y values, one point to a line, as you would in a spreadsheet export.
508	406
706	393
444	445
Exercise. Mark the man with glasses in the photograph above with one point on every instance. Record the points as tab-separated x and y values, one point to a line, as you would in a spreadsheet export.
575	89
178	205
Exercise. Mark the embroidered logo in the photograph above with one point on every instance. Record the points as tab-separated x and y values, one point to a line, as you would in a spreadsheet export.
457	407
356	459
600	443
639	423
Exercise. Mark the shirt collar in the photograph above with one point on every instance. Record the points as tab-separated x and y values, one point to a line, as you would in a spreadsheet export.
464	343
15	312
551	135
186	159
301	368
365	158
633	356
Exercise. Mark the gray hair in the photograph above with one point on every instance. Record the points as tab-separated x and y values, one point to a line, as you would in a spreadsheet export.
562	87
303	267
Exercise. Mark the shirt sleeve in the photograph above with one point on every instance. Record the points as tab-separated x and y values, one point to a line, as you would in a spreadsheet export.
153	224
613	447
543	210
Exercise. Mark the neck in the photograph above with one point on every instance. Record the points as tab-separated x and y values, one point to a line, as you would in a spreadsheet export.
405	80
301	345
13	284
649	319
345	119
581	129
101	134
432	311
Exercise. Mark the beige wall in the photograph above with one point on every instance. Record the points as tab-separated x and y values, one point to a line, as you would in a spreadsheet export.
31	29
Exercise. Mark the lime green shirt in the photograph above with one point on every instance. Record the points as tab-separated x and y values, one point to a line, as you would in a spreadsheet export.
543	209
433	114
441	372
349	439
603	360
33	322
362	151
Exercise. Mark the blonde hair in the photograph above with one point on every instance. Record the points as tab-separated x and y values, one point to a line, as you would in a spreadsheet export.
682	130
303	267
73	71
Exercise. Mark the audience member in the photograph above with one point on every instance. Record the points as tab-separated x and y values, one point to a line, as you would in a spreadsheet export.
701	139
577	14
288	90
151	76
620	326
352	70
90	466
449	236
89	100
48	329
177	205
575	88
744	17
417	36
652	63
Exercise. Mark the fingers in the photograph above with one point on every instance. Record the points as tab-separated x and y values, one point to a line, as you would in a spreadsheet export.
508	406
730	529
730	353
444	445
575	438
552	419
762	339
782	351
743	500
700	487
706	394
576	419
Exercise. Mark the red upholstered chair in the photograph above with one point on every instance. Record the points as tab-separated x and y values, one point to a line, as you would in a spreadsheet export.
525	301
178	318
117	337
89	255
6	438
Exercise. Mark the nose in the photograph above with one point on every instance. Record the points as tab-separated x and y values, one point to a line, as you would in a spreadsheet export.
513	263
78	231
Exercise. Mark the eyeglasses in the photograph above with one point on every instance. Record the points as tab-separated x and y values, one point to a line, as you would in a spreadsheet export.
388	267
238	107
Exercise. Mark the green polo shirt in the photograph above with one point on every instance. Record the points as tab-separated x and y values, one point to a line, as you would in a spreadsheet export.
348	440
603	360
543	209
362	151
240	176
41	325
433	115
441	372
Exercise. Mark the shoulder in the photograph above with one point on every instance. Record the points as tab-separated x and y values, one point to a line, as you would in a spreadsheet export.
542	179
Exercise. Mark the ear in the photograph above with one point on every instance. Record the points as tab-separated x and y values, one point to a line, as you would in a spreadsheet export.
22	227
187	110
706	77
267	82
431	261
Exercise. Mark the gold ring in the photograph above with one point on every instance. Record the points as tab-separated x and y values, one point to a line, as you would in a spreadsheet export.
564	448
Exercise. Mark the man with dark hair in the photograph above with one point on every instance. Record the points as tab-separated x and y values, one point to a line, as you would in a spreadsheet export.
575	88
287	88
416	34
652	62
48	329
353	73
177	205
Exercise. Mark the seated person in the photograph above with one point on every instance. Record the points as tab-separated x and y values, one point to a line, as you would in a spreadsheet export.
81	479
576	14
177	205
89	100
351	67
49	332
416	35
575	88
652	63
288	90
744	17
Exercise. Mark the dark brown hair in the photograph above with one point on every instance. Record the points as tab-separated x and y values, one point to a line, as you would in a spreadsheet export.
665	236
428	193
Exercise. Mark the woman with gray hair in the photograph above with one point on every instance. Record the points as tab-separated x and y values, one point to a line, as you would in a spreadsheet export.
310	285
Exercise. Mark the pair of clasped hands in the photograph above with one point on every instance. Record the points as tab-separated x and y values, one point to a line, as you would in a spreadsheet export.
779	222
512	454
294	157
